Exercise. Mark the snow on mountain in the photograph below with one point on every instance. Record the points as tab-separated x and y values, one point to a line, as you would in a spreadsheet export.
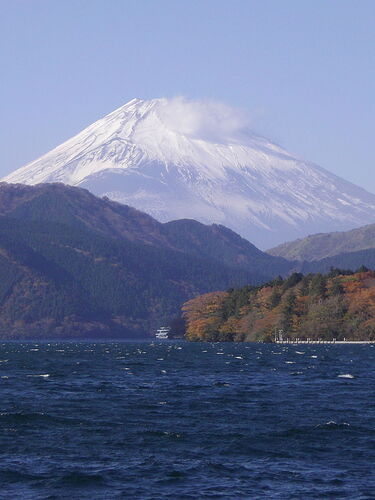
176	158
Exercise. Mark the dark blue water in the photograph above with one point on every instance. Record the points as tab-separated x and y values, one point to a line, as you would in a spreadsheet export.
178	420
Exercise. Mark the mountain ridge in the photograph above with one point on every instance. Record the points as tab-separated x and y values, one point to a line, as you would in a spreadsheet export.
177	159
74	265
325	245
57	201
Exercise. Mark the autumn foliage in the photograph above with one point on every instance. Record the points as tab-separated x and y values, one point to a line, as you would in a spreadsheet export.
338	305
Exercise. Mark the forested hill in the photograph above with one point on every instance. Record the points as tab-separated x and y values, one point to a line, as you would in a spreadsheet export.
72	264
336	305
328	245
74	206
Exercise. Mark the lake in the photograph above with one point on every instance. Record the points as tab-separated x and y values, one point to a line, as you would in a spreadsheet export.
185	421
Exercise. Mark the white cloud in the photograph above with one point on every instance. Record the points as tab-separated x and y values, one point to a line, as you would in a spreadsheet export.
204	119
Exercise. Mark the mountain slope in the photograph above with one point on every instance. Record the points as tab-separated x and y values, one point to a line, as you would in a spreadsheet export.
180	159
67	279
322	246
66	204
350	260
72	264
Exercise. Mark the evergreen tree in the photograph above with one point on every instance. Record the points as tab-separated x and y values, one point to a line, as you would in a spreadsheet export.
275	298
318	285
287	312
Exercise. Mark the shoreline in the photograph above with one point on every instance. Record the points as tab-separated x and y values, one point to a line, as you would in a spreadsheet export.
290	341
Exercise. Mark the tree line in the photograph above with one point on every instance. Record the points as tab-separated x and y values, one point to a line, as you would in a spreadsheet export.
336	305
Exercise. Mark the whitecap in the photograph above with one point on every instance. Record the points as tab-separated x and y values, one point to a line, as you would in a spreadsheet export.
346	375
43	375
333	423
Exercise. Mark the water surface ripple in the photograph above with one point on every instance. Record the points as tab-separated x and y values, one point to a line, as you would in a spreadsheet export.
185	421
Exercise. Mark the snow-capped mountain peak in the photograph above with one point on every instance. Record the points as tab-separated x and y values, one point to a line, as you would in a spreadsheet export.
178	158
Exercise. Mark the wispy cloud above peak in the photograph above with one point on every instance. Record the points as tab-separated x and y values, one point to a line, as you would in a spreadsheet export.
203	119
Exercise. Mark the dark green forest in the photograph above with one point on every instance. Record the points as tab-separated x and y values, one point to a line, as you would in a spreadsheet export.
72	264
75	265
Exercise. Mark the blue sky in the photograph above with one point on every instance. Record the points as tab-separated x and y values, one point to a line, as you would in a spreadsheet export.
305	70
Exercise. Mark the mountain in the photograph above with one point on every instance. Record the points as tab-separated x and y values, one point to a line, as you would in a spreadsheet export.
325	245
65	204
180	159
351	261
72	264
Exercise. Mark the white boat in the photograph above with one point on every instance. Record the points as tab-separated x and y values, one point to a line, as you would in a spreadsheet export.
163	332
